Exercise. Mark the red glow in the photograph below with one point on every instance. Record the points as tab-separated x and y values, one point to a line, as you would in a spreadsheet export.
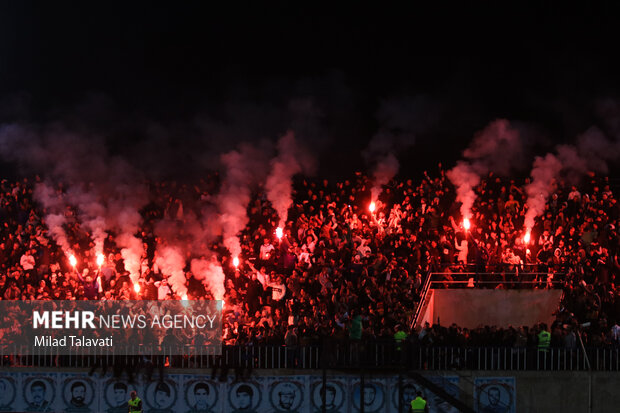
279	232
466	224
100	259
372	207
136	288
72	260
236	262
526	237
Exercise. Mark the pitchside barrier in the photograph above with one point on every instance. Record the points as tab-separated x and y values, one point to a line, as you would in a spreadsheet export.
193	392
371	355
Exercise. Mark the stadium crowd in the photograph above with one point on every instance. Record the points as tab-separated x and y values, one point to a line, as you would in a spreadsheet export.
341	271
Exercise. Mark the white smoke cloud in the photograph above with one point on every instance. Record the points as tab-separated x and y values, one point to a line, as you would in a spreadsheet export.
106	191
465	179
592	152
291	160
401	119
244	168
498	148
171	263
546	169
210	272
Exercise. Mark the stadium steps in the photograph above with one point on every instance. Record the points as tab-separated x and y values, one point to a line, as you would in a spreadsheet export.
439	391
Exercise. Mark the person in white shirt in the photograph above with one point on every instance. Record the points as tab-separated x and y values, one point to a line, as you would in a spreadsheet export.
574	195
261	275
304	256
266	250
364	250
311	240
278	289
27	260
163	289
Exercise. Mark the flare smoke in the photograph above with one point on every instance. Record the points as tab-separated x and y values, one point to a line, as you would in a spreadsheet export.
105	190
171	263
498	148
291	160
211	274
592	152
545	170
244	168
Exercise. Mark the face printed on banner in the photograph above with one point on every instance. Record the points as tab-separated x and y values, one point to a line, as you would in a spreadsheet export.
201	395
120	394
494	396
244	397
369	395
330	396
162	395
332	393
37	391
37	396
409	393
78	393
286	399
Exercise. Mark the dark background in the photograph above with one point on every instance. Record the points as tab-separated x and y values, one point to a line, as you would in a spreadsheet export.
200	77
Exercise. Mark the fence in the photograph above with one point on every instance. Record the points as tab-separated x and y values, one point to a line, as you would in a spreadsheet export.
511	280
372	355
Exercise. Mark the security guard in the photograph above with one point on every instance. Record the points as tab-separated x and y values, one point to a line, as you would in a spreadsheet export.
399	337
135	404
419	405
544	339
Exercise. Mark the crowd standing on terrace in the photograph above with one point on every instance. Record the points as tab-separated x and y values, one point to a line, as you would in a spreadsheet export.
340	271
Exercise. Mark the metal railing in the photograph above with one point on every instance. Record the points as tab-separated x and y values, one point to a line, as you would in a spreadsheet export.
422	303
510	280
345	355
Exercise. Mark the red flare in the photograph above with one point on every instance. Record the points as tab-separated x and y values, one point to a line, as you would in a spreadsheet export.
466	224
372	207
100	259
279	232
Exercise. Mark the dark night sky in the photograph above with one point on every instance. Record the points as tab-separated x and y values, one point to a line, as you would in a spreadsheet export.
251	71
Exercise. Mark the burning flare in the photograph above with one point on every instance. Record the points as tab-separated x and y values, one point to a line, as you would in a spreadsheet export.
100	259
184	300
526	237
72	260
466	224
372	207
236	262
136	288
279	232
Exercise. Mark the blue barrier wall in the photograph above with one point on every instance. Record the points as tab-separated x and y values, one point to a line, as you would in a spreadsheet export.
74	392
